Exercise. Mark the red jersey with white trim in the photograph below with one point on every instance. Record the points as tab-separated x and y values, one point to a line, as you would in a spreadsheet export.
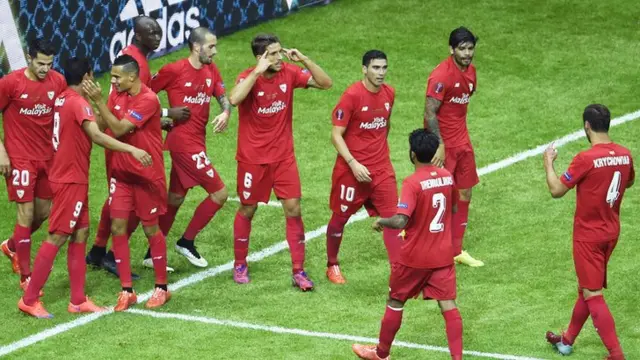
27	113
143	110
601	174
427	199
71	144
453	87
265	129
193	88
366	117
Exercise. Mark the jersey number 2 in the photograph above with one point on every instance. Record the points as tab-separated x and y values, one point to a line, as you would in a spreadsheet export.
438	202
614	189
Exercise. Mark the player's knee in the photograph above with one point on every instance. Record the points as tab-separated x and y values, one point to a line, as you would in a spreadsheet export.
588	293
220	197
175	199
292	208
80	236
57	239
465	194
150	230
395	304
119	227
446	305
25	214
248	211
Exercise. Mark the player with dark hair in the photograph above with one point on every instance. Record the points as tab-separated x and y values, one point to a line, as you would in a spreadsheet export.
363	174
27	96
74	128
147	37
191	82
425	264
449	88
266	160
601	175
133	115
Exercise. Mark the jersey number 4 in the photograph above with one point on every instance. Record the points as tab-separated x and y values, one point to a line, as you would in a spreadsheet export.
614	189
439	201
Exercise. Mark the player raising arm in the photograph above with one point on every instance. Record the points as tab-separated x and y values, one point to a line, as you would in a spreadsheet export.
363	174
192	82
26	100
425	264
601	175
266	160
449	89
74	128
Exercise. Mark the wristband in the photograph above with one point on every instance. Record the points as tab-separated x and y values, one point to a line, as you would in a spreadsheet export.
165	112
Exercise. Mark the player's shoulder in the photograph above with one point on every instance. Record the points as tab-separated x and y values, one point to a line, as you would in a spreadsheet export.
147	94
388	89
246	72
442	69
55	75
15	76
174	66
354	89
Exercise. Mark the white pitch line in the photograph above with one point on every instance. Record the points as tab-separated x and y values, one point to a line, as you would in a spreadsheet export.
270	203
323	335
273	249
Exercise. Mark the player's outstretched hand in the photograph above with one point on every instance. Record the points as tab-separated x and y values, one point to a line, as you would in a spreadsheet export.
180	113
142	156
376	226
360	171
92	89
294	55
438	158
550	153
263	63
5	164
220	122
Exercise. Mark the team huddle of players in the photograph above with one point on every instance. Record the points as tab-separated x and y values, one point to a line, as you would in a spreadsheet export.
50	122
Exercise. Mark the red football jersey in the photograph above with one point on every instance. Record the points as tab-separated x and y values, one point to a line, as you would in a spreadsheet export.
366	116
27	112
72	146
194	88
142	110
601	175
426	197
141	59
265	129
454	88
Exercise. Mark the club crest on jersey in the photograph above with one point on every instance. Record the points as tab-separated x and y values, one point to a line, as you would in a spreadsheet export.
344	208
50	94
283	87
72	224
387	106
340	114
246	194
439	87
20	193
208	81
210	173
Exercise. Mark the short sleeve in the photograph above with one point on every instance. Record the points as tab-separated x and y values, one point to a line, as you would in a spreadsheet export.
408	198
301	77
143	110
576	171
82	112
5	92
632	172
218	85
436	86
162	79
343	112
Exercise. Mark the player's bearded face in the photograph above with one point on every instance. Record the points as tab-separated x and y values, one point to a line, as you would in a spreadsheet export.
40	65
463	53
376	72
274	54
207	51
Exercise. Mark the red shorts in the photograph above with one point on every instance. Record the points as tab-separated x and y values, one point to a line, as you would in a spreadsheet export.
461	162
190	170
591	259
407	282
70	208
379	197
256	181
148	200
29	180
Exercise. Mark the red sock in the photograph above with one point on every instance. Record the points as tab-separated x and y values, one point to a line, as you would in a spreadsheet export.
41	270
22	239
122	254
334	237
459	223
604	324
453	325
166	220
104	226
390	325
392	242
241	233
77	271
132	223
295	239
578	318
158	245
201	217
11	244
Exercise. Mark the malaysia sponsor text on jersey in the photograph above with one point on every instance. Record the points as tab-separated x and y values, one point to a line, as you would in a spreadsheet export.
200	99
275	108
377	123
37	110
460	100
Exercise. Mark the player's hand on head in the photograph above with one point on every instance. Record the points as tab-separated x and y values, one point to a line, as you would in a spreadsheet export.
220	122
5	164
179	113
376	225
294	55
438	158
143	157
92	89
263	63
360	171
